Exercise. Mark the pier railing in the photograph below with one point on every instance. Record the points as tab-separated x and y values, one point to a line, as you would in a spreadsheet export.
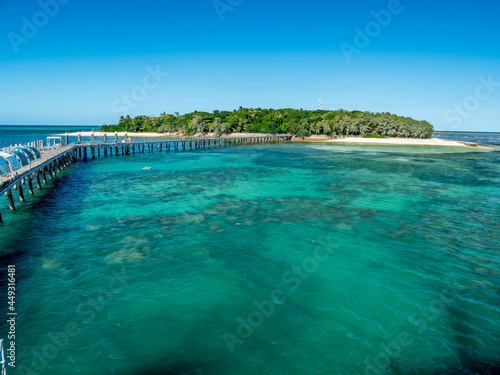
130	146
45	155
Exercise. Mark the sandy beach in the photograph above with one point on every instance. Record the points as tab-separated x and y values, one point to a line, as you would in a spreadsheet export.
391	141
404	141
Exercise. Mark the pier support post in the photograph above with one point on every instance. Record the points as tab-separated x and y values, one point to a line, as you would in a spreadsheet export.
93	152
105	151
12	206
30	186
38	184
44	176
21	192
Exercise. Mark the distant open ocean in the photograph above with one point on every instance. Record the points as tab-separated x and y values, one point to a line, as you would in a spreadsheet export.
491	139
16	134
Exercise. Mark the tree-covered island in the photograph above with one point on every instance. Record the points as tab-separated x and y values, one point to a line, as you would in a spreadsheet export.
302	123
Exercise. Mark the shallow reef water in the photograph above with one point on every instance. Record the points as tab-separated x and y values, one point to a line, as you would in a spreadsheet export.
263	259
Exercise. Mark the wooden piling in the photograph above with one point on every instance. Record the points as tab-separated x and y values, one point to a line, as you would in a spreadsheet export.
12	206
30	186
38	184
21	192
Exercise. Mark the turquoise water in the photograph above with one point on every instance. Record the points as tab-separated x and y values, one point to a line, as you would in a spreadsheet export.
263	259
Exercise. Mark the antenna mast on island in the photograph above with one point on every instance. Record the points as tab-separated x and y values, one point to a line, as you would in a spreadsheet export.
320	105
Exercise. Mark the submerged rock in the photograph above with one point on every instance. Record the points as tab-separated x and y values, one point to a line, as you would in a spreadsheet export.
124	256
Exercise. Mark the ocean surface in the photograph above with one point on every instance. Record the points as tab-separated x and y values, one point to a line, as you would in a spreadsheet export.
491	139
11	135
261	259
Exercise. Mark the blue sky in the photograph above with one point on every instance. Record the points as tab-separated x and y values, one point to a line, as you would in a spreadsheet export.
87	62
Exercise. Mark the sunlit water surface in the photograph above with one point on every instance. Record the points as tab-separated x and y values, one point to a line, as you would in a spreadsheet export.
264	259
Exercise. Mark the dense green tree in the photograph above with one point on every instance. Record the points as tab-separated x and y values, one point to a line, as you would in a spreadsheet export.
198	125
292	121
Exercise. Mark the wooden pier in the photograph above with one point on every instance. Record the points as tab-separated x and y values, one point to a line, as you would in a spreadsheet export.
55	160
96	149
